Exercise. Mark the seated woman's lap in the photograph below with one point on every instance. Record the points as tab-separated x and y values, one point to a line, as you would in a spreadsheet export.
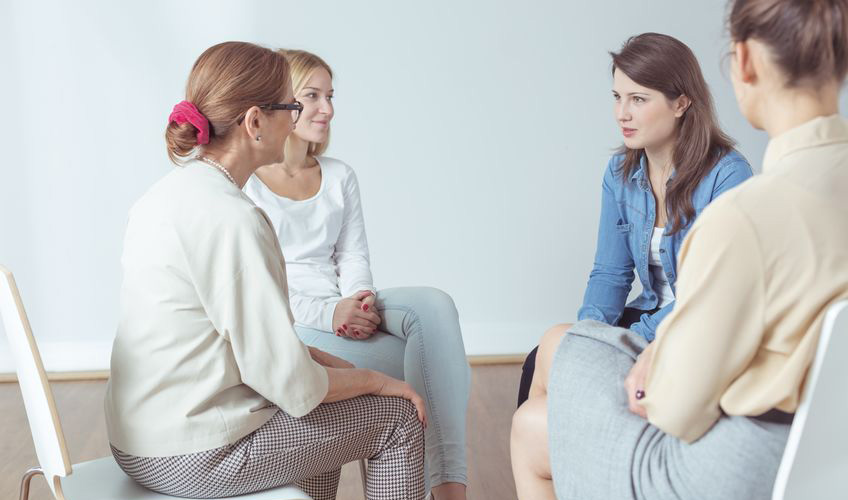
401	309
381	352
528	369
600	450
307	451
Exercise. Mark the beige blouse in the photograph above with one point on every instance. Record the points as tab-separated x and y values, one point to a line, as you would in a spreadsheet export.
205	351
758	270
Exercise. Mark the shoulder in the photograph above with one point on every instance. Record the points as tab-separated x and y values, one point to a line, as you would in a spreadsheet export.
254	187
335	170
732	164
612	174
207	199
725	224
614	163
334	166
739	203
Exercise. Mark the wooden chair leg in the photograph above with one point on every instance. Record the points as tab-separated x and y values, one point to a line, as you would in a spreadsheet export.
35	471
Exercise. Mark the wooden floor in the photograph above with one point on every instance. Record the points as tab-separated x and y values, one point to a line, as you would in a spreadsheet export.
80	404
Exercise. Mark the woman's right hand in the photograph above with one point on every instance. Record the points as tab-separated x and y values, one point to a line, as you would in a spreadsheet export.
350	320
388	386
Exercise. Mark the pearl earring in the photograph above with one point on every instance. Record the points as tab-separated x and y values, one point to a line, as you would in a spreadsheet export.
258	138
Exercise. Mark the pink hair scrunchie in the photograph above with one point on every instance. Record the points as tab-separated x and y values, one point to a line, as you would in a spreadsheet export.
186	112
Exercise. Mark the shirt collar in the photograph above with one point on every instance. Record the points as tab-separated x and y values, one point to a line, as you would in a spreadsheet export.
641	171
816	132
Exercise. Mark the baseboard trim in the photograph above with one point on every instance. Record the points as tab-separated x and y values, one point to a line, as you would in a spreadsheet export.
499	359
61	376
496	359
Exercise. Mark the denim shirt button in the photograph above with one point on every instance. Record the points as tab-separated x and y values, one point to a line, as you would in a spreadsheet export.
662	250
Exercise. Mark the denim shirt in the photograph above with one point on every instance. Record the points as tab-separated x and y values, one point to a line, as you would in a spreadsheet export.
628	212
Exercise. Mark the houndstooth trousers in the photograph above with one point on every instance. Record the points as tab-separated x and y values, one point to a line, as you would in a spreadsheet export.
307	451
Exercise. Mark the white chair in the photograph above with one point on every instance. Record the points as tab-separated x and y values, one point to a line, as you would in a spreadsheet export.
815	461
100	479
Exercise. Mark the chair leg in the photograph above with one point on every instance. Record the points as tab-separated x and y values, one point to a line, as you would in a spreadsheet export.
35	471
362	471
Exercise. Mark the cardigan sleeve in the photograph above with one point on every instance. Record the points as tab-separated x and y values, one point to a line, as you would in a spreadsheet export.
249	308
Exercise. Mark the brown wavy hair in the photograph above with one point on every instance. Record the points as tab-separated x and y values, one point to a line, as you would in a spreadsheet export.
226	81
808	39
665	64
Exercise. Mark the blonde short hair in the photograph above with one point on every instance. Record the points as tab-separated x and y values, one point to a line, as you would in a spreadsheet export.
301	65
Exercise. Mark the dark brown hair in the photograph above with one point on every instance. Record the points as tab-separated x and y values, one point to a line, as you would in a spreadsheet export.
225	81
808	38
667	65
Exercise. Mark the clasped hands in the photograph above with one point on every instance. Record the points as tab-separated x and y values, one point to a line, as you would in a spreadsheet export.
355	317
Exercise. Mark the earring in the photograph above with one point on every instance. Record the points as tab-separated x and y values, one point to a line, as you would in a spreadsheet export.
258	138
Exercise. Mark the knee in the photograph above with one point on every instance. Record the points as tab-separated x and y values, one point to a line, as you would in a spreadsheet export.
550	342
433	301
554	334
530	423
407	418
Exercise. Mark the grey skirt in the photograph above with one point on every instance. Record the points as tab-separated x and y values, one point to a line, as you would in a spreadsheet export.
599	450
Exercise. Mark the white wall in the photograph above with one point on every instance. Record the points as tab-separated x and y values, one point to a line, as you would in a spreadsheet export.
479	132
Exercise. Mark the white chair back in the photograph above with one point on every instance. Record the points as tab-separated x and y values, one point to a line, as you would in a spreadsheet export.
38	399
815	461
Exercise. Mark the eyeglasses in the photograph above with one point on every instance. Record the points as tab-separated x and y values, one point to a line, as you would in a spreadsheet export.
295	107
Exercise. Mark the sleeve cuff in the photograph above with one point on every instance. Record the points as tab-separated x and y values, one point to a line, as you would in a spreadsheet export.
327	314
643	330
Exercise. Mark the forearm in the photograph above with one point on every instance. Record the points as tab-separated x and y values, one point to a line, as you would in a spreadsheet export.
347	383
605	297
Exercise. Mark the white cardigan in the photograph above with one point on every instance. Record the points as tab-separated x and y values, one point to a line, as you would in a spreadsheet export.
205	346
323	241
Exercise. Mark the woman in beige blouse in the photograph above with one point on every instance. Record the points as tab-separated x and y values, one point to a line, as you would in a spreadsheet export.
704	411
211	392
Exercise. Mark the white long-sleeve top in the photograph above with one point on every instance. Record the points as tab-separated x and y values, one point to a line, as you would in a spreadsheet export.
205	351
323	241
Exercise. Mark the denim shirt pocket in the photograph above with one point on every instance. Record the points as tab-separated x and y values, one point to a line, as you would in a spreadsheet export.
624	228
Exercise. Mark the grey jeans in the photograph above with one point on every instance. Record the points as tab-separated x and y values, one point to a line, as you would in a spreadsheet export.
599	450
419	341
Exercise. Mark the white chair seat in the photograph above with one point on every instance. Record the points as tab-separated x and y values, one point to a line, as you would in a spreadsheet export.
102	479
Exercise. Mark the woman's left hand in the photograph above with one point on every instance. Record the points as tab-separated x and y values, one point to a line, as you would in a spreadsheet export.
635	381
328	360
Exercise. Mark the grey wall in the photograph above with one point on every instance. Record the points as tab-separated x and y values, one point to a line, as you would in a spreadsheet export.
479	131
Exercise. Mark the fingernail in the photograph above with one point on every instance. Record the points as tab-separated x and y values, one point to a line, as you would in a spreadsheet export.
344	327
364	307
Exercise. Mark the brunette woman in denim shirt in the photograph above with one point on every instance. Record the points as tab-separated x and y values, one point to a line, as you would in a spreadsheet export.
674	157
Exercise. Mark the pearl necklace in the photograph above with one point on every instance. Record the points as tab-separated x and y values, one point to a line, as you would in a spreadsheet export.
219	167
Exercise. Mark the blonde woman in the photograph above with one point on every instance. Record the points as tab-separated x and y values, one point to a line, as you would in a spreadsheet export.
410	333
